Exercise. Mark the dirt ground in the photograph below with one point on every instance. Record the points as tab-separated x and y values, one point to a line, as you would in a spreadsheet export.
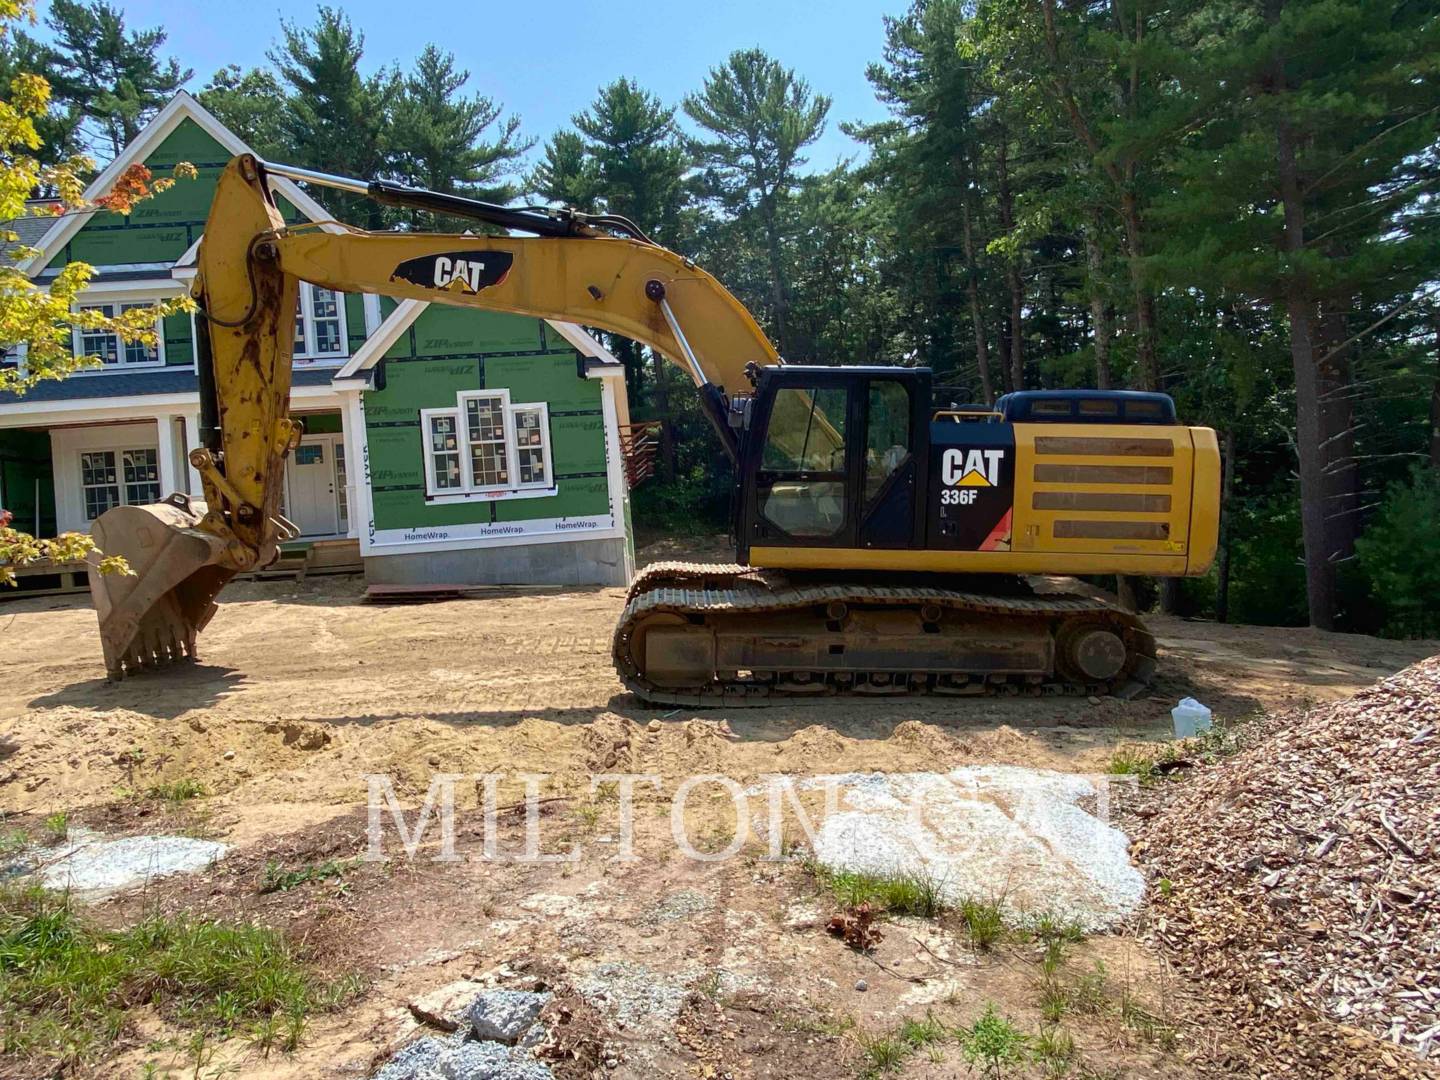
711	968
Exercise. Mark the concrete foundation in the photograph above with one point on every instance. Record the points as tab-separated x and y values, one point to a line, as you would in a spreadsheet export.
581	562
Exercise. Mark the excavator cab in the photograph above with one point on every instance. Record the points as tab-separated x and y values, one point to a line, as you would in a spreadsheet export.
834	457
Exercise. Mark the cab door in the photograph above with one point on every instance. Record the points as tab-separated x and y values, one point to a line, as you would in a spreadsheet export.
800	474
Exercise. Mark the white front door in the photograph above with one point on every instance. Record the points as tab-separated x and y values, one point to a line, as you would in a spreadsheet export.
313	504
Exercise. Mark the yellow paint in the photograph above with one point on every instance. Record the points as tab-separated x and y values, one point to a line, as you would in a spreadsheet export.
973	479
969	562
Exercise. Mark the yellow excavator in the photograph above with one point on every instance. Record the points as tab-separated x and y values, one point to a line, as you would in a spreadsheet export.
882	538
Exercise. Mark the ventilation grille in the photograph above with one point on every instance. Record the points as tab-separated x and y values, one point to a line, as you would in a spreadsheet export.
1097	478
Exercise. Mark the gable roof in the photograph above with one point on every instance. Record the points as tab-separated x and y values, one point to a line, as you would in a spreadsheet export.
183	106
407	311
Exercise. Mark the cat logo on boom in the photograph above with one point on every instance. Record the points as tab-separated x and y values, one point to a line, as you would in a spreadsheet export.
465	272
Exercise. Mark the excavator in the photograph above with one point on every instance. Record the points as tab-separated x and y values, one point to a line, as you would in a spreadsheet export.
884	539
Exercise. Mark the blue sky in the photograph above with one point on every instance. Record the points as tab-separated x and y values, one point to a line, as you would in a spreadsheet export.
544	59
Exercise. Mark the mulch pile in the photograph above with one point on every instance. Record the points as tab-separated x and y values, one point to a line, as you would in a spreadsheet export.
1297	881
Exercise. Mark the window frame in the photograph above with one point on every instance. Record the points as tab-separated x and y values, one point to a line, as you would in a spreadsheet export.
78	335
305	323
121	484
459	413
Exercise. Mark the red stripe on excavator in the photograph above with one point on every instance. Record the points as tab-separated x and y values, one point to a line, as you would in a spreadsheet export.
999	534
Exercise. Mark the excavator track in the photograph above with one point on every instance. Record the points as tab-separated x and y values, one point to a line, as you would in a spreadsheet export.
699	634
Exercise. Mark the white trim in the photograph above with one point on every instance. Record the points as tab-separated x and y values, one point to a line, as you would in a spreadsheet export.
23	413
310	357
181	107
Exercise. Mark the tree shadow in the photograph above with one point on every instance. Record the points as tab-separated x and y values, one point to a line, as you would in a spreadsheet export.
163	695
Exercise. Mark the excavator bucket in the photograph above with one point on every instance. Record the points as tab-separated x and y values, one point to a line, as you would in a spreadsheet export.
150	617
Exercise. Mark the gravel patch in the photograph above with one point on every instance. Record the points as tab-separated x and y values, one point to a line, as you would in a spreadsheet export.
87	863
1017	837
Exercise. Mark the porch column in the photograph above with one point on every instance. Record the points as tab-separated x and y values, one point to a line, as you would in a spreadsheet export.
169	455
192	439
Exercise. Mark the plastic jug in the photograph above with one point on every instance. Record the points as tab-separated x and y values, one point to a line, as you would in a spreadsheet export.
1190	717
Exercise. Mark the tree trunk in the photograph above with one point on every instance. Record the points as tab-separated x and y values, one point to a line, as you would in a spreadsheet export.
1435	402
1222	557
662	406
778	298
1099	310
1300	313
972	287
1337	434
1012	272
1148	374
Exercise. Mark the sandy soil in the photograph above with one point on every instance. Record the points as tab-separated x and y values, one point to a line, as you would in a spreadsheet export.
303	690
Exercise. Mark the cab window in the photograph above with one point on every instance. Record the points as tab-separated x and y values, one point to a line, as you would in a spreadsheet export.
887	435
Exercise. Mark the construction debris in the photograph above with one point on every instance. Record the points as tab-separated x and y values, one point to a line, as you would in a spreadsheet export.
1297	881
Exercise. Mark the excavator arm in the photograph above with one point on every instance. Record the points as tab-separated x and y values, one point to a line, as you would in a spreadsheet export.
598	271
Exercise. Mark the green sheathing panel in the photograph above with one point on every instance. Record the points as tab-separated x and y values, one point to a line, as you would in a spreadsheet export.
325	423
448	350
24	467
179	340
162	228
355	321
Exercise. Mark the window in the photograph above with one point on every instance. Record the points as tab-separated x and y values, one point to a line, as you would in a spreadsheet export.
887	434
142	476
113	352
99	481
802	484
111	478
486	445
319	323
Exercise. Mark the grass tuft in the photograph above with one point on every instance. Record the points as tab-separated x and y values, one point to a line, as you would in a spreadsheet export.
1054	1051
177	791
66	986
57	827
899	894
984	922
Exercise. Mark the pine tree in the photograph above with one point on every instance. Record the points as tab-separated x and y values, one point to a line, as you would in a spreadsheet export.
113	76
757	115
444	140
251	104
567	175
336	119
59	124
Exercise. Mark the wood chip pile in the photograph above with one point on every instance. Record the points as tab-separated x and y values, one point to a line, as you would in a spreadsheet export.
1298	882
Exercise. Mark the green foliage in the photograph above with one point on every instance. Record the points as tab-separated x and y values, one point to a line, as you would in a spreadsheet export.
898	894
993	1043
113	76
984	922
1400	555
66	985
57	826
177	791
1054	1051
251	104
277	879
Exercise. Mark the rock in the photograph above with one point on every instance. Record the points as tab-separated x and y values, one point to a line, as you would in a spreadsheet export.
9	747
413	1061
861	985
229	755
1094	701
503	1015
533	1037
473	1061
653	726
445	1007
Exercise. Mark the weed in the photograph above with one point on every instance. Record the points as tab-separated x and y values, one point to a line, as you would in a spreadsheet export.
1130	762
1165	886
993	1043
57	826
1054	1000
883	1053
12	842
1090	993
984	922
1146	1024
1050	928
67	986
588	814
277	879
1054	1051
177	791
821	1022
921	1033
899	894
